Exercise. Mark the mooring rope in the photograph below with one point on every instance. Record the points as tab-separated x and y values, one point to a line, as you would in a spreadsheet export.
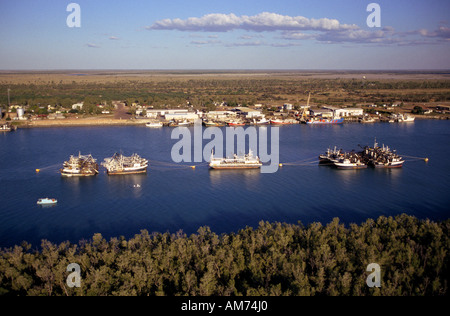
164	165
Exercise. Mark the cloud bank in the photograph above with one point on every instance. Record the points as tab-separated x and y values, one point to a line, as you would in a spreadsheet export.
299	28
263	22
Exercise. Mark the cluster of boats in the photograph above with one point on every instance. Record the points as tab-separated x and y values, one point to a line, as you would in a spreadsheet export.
376	156
212	123
118	164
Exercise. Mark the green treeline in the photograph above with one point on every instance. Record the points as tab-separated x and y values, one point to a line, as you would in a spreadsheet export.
273	259
169	93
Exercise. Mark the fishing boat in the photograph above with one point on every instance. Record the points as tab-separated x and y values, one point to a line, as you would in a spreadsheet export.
213	124
184	123
314	121
381	157
235	123
154	124
5	128
262	121
118	164
80	166
243	162
405	118
280	122
330	155
367	120
47	201
350	160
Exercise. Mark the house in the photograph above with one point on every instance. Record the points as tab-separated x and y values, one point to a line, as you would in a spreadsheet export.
248	113
349	112
188	116
77	106
288	106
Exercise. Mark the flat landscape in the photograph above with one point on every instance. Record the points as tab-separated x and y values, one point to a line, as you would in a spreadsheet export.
206	89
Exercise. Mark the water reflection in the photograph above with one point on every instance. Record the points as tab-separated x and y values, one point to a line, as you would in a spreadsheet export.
122	185
248	177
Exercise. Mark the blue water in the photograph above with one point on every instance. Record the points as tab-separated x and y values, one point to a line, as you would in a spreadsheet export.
172	198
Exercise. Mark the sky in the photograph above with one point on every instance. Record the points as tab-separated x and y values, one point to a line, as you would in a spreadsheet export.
231	34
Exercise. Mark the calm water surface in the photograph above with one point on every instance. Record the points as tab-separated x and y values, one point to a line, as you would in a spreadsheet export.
172	198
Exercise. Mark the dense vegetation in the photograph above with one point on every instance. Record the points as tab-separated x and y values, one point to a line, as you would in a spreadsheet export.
199	92
274	259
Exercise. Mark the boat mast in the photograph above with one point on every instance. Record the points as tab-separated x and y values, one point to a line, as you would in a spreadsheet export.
304	108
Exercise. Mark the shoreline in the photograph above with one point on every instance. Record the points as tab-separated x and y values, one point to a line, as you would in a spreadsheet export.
93	122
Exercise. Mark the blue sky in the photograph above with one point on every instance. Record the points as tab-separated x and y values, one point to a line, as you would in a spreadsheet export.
245	34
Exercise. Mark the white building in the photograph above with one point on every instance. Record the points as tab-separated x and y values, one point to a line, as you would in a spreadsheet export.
77	106
321	112
220	115
288	106
349	112
181	116
248	113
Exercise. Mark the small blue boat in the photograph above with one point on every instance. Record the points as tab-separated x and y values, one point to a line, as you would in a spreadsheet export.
47	201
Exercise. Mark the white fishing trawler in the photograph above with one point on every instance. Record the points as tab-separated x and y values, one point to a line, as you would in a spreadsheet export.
80	166
244	162
119	164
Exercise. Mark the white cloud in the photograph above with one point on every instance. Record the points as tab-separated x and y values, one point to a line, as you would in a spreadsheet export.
266	21
92	45
294	29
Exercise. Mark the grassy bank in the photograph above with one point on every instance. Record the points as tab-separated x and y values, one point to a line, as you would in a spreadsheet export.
273	259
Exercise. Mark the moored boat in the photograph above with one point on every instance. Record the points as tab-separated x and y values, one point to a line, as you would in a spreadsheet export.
262	121
325	121
80	166
405	118
118	164
381	157
154	124
330	155
244	162
5	128
351	160
280	122
236	123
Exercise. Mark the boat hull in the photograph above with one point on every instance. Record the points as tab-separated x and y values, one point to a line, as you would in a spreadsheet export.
125	172
350	167
69	174
236	167
325	122
47	201
388	166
